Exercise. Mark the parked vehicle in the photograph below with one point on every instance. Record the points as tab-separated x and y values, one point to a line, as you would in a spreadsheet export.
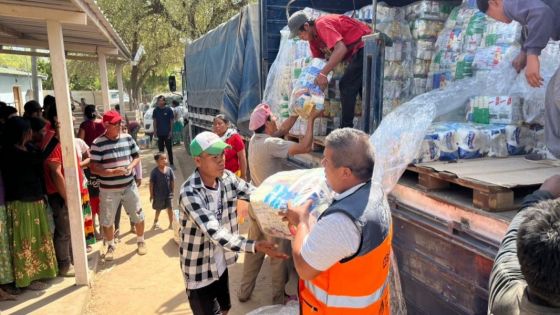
148	116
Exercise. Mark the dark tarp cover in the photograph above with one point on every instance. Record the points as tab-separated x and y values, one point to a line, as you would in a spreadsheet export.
223	69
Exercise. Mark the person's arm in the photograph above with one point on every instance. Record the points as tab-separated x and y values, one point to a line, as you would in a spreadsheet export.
82	134
332	239
284	129
195	209
171	119
55	168
338	54
97	168
305	144
242	157
243	188
154	121
85	159
132	165
506	270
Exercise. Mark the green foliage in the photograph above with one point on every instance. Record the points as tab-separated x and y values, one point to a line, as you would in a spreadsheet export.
22	63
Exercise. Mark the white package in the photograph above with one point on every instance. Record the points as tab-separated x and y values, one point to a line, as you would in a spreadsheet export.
520	140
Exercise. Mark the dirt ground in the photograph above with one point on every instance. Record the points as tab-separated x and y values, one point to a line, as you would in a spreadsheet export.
153	284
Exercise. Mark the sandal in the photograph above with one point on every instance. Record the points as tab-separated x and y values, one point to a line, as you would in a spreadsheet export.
37	286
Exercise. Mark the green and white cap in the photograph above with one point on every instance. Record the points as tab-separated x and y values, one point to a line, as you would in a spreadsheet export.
208	142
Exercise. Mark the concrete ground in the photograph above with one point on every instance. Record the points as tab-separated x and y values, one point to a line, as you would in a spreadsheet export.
62	296
153	284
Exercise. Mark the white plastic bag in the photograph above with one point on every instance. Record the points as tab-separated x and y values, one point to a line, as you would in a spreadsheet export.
297	186
291	308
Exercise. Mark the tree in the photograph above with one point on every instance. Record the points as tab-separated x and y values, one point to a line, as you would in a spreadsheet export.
162	27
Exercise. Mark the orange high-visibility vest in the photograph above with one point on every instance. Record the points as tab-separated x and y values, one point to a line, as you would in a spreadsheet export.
357	286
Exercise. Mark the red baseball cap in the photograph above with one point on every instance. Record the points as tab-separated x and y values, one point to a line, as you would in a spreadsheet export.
112	117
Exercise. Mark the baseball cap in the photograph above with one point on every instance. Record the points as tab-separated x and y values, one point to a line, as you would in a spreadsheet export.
207	142
259	116
112	117
296	21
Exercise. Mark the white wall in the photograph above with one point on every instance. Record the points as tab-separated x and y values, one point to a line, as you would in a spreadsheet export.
7	82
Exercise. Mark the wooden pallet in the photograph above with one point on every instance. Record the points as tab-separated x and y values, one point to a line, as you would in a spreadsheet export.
495	183
486	196
318	141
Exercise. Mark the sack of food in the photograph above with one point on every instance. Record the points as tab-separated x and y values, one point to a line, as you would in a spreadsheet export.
307	96
272	196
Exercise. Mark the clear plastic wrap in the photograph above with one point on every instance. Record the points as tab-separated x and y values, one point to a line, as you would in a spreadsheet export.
291	308
297	186
307	96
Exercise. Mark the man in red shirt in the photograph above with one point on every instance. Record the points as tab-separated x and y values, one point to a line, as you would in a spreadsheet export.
335	38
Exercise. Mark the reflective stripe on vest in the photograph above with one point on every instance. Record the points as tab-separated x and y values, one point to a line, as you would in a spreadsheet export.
342	301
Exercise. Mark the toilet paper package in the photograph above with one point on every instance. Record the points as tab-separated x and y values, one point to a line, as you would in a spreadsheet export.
496	145
439	144
506	110
520	140
472	142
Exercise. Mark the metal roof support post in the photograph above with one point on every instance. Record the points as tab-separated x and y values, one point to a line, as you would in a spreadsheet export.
102	60
120	86
71	166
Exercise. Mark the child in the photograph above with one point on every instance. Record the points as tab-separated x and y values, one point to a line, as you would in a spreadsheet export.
162	183
540	20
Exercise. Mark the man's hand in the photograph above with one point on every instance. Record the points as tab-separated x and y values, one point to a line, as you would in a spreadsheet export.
119	171
520	61
315	114
552	185
295	215
270	249
533	72
322	81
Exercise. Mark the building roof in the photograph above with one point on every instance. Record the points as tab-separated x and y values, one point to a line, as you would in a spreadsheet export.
16	72
84	27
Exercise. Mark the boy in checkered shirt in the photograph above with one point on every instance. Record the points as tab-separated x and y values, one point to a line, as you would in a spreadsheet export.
209	231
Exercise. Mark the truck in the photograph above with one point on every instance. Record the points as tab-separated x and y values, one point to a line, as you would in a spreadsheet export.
447	223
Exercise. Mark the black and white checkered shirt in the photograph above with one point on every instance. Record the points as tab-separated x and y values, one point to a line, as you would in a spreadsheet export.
202	230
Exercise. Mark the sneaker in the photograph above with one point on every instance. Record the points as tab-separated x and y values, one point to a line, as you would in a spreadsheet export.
156	226
142	250
109	255
67	272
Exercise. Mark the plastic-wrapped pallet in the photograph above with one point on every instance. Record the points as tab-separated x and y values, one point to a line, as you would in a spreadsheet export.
439	144
397	80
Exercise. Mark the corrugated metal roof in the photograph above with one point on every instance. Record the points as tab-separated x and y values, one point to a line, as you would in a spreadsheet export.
97	35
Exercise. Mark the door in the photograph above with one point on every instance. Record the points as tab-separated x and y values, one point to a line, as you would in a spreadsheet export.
18	99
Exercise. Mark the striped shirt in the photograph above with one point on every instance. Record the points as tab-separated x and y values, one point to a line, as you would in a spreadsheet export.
112	154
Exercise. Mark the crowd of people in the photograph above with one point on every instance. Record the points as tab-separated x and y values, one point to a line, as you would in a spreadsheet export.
341	265
352	235
35	237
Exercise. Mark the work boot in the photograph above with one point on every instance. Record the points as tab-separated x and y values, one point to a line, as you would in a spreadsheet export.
142	250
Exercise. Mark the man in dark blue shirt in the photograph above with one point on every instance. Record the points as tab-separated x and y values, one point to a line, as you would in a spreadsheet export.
163	122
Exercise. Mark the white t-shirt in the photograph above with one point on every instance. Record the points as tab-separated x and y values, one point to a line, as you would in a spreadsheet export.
332	239
81	147
219	257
